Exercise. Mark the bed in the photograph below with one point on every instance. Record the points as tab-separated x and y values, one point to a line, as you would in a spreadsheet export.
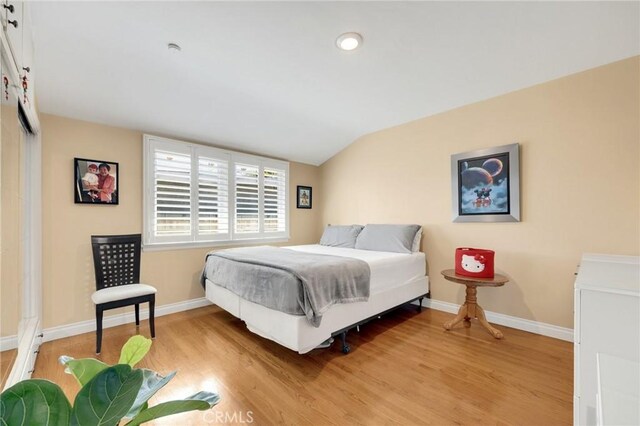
395	279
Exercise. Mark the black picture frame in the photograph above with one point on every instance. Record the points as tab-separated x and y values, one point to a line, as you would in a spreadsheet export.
304	197
87	190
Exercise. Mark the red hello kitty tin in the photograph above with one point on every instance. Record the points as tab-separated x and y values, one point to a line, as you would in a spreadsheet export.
474	262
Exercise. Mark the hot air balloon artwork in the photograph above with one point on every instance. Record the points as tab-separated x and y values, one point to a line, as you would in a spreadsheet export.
486	185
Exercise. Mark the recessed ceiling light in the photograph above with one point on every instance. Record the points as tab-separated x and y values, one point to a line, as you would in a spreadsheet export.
174	47
349	41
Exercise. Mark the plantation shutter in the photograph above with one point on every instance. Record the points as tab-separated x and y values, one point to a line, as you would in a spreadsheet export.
247	199
274	204
195	194
213	198
172	194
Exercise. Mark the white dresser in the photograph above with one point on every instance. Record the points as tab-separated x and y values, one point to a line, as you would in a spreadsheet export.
607	322
618	391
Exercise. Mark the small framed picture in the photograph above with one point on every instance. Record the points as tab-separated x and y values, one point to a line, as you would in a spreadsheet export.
303	197
96	181
485	185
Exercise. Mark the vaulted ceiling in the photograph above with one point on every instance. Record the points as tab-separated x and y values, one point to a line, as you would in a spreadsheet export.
267	77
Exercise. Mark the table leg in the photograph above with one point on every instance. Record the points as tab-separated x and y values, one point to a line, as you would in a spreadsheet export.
471	300
483	320
462	315
471	303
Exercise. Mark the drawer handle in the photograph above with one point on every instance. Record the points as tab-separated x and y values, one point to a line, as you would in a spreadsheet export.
14	23
9	7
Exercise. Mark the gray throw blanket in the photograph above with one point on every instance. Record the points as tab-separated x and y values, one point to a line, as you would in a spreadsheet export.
289	281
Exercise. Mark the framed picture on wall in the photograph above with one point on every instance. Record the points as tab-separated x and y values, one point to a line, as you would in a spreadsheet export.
96	181
304	197
485	185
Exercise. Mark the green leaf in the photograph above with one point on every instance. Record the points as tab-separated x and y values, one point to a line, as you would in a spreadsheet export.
108	397
200	401
152	382
82	369
34	402
134	350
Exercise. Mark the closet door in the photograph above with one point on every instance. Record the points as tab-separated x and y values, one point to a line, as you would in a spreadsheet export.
20	205
13	24
11	226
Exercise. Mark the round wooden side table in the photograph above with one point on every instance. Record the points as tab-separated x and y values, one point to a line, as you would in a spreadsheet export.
470	309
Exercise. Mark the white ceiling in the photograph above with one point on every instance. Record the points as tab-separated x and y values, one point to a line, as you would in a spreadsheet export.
267	77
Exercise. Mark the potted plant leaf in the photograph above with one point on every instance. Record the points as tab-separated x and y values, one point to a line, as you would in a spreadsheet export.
108	394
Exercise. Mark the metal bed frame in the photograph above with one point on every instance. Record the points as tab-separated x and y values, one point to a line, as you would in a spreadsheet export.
343	332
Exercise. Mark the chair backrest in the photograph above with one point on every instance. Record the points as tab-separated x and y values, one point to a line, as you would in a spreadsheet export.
116	259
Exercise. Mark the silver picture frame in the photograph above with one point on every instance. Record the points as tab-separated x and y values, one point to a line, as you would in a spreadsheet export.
506	180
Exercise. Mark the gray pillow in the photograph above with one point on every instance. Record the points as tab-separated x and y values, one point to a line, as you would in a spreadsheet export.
394	238
340	236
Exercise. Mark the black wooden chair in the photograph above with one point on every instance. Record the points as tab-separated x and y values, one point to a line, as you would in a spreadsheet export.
116	259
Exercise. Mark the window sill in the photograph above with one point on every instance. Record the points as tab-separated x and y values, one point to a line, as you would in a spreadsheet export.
212	244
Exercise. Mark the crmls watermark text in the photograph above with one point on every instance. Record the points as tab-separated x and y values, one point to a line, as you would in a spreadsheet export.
235	417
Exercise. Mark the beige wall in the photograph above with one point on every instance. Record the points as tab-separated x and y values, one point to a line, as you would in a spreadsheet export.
68	278
580	188
580	191
12	150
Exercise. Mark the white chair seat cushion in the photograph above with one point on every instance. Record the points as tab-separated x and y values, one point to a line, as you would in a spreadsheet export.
110	294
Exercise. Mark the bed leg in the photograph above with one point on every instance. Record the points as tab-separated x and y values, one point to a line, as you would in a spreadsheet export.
420	304
345	347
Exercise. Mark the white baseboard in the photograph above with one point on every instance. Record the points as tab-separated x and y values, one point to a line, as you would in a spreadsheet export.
68	330
27	352
8	342
542	328
59	332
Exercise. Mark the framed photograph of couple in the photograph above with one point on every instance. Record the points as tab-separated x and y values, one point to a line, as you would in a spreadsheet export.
96	181
303	197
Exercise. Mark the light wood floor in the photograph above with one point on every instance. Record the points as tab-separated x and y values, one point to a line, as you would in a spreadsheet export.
7	359
403	369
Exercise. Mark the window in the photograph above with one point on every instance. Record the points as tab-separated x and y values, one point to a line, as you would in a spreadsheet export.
196	194
247	199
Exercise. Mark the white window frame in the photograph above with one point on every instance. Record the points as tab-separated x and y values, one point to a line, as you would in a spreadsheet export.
151	242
